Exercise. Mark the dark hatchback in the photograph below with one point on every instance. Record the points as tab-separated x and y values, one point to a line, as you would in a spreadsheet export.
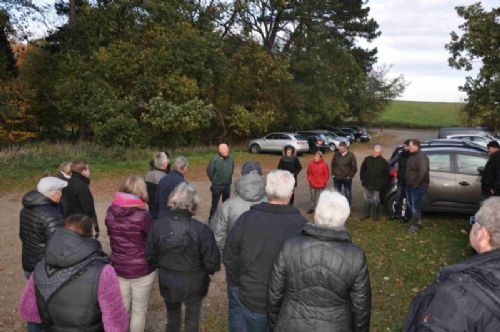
455	178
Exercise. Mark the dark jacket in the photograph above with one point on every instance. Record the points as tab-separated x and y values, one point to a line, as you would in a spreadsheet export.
152	178
320	283
374	173
291	164
67	281
253	244
344	166
166	187
491	175
417	170
128	228
220	171
465	298
401	159
39	218
185	252
77	198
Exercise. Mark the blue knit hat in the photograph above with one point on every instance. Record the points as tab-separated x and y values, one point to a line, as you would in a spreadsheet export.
251	167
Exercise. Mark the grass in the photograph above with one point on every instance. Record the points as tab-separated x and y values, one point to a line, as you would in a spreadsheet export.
414	114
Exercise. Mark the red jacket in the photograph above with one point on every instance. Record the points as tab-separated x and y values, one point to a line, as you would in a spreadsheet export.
318	174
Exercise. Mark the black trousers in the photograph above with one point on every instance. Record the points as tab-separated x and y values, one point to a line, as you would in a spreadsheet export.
191	316
217	192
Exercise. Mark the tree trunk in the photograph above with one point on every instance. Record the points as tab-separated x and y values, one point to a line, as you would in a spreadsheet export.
72	11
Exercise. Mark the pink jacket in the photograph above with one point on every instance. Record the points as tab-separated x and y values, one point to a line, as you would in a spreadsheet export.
114	315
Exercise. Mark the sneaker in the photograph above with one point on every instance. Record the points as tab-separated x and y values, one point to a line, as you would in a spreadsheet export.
412	229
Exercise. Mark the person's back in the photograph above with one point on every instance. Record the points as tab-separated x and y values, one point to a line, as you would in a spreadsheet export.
153	178
256	239
77	196
169	182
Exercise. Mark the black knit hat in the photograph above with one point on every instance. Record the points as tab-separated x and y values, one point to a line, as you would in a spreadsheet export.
251	167
493	144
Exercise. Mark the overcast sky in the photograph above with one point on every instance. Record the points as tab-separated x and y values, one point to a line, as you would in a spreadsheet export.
414	33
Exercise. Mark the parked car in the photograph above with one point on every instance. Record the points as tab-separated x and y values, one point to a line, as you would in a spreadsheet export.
485	131
333	140
275	142
455	177
341	133
361	133
480	138
317	140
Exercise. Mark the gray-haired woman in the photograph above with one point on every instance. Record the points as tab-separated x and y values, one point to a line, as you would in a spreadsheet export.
185	252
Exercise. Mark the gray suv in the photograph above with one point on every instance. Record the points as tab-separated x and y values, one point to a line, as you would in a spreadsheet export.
455	177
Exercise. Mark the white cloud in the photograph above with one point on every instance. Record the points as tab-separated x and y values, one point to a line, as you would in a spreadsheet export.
414	33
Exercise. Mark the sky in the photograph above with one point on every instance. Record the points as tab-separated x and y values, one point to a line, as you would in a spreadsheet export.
414	33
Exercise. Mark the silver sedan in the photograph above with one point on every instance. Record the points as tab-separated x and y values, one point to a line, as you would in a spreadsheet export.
275	142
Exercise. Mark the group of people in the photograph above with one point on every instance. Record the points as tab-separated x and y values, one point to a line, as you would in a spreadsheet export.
283	272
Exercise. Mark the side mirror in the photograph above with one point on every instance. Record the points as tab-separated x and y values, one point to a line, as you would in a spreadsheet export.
480	170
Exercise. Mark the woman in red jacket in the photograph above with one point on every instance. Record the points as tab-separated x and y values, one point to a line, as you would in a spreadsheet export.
128	222
318	175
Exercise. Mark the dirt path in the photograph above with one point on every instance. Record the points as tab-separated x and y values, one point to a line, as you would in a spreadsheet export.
12	280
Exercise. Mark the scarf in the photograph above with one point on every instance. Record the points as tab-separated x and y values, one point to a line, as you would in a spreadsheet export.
128	200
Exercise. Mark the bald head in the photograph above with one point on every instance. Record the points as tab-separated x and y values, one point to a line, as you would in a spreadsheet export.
224	150
377	150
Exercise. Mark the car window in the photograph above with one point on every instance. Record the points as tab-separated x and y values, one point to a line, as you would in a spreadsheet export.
272	136
283	136
468	164
479	139
300	137
439	162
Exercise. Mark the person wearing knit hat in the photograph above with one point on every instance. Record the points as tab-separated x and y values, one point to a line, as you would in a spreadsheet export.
490	181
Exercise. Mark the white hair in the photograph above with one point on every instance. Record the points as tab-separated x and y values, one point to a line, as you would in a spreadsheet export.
489	217
332	209
279	185
180	163
378	147
160	159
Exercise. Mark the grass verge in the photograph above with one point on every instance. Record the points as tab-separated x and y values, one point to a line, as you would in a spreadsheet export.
414	114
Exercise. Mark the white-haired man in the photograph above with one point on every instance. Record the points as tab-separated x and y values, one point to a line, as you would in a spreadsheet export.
374	174
168	183
153	178
322	274
466	296
255	241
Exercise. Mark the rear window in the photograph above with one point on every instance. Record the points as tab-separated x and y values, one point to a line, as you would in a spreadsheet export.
300	138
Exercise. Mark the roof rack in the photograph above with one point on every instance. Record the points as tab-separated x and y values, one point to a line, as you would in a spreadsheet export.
452	142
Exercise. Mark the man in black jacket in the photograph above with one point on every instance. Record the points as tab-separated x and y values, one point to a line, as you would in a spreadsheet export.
169	182
255	241
322	275
39	219
374	173
490	181
466	296
77	198
401	159
153	177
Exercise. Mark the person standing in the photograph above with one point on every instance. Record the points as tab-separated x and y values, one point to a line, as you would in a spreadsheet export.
290	162
220	172
318	176
465	296
253	244
417	183
153	177
490	181
64	170
169	182
74	288
344	166
77	198
185	252
374	173
401	159
128	223
337	295
40	217
250	190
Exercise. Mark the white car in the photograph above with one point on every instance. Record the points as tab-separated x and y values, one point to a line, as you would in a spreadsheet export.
480	138
275	142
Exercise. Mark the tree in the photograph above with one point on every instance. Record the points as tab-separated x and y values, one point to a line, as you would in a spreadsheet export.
479	43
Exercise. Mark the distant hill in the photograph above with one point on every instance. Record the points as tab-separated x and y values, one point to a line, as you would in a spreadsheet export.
416	114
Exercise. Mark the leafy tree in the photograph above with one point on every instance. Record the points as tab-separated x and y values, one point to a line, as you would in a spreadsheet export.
479	43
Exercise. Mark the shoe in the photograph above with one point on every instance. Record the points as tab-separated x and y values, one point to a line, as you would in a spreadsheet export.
412	229
310	211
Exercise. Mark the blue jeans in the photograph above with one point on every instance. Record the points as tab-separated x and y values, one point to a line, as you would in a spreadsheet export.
32	327
253	321
347	184
235	315
217	192
414	196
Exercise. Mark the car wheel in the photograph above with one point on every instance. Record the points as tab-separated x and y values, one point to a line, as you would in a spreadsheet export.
391	206
255	148
333	147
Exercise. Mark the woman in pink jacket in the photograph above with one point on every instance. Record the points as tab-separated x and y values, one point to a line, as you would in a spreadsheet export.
318	175
128	223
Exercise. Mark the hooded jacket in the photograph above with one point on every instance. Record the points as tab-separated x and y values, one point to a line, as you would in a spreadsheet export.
250	190
320	283
465	298
291	164
39	218
253	244
66	283
318	174
184	251
128	228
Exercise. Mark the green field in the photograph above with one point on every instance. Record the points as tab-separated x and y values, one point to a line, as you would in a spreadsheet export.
415	114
